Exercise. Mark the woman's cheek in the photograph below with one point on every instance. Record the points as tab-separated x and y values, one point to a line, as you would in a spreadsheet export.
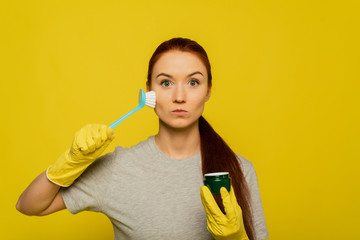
159	108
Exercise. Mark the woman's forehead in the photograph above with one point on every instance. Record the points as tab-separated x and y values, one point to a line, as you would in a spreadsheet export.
178	62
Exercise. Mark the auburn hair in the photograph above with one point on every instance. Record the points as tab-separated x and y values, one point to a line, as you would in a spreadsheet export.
216	155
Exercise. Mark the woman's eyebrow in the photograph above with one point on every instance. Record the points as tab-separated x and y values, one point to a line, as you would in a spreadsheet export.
164	74
195	73
169	76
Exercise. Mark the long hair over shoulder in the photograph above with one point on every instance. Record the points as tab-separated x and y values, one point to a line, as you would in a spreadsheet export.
216	155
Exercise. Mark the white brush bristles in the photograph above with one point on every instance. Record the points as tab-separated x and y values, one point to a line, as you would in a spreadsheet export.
150	99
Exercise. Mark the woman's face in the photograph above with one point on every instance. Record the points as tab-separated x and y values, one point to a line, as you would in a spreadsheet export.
181	84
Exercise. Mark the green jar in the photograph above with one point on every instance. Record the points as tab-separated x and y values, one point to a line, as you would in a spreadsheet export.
214	181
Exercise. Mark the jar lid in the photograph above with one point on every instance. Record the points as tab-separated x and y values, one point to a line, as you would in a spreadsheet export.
216	174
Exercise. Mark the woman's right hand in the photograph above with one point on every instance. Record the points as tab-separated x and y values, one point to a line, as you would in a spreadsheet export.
89	143
43	197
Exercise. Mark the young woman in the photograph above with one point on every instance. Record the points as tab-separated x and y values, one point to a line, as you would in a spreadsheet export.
151	190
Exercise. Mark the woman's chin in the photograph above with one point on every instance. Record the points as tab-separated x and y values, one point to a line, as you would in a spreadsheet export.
179	124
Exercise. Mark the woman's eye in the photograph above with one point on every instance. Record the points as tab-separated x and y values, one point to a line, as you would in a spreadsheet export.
165	83
194	82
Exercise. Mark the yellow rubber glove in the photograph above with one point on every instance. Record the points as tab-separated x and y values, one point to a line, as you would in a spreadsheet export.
223	227
89	142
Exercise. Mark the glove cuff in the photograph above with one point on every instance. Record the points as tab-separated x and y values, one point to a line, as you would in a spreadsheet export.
50	177
65	170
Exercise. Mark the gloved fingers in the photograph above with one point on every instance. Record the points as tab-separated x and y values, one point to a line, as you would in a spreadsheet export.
84	139
103	147
209	203
211	221
104	134
93	137
102	138
110	133
107	135
97	136
90	136
232	193
234	200
228	205
79	143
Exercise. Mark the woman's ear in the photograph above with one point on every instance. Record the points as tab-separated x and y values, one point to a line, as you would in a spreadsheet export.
148	86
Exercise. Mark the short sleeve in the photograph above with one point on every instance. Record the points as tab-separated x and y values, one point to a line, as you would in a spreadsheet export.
86	191
256	204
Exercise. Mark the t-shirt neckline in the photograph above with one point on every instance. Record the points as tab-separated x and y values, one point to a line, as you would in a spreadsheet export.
156	149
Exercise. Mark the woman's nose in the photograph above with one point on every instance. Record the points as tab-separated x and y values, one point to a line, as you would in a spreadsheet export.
179	95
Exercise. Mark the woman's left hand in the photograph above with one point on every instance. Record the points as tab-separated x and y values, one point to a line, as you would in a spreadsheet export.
223	227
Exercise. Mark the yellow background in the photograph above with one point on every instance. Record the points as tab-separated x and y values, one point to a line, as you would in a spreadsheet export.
285	96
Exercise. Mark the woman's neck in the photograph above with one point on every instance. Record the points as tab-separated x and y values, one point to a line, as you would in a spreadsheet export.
178	143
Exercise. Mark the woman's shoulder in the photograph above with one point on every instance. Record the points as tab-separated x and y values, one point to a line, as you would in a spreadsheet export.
247	166
142	147
120	154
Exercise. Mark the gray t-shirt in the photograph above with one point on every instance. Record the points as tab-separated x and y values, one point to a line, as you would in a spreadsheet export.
148	195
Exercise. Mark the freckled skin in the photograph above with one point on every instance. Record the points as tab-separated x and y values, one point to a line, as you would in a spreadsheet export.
176	89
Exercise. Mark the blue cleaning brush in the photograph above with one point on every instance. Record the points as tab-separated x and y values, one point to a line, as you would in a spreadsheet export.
148	99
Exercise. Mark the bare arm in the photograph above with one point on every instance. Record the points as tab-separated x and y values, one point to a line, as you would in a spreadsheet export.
40	198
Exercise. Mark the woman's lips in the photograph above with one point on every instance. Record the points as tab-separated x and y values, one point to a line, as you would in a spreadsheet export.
179	112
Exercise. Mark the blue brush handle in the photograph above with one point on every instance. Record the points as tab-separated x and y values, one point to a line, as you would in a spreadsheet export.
114	124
